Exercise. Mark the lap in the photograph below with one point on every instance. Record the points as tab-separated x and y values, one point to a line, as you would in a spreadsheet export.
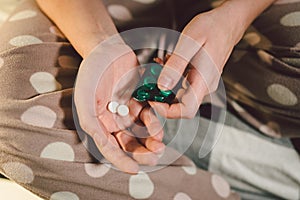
261	75
40	148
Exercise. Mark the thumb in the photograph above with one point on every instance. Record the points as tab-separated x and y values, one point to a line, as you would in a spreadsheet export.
172	72
184	51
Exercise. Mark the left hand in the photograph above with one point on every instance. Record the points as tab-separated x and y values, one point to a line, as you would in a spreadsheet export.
108	74
206	42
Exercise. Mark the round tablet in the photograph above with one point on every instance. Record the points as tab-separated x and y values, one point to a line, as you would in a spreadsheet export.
112	106
156	69
166	93
159	98
150	82
143	95
142	92
141	98
123	110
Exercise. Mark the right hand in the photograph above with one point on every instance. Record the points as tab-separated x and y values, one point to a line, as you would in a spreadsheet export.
108	74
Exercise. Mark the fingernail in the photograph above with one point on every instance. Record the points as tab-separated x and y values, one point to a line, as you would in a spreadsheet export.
165	83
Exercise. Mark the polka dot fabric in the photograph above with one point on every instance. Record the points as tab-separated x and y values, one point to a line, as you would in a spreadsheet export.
40	148
44	153
25	14
265	83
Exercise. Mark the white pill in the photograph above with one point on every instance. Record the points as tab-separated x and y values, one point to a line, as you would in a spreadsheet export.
112	106
123	110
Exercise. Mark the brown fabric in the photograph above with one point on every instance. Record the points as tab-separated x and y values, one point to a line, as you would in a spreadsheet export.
262	75
39	146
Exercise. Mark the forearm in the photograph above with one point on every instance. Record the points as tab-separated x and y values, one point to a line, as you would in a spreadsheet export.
243	13
84	23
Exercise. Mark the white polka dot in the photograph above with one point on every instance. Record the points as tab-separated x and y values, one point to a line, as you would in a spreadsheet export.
44	82
24	40
191	170
119	12
286	1
291	19
265	57
221	187
18	172
268	131
58	151
56	31
23	15
182	196
40	116
140	186
145	1
96	170
1	62
282	95
64	196
252	38
68	62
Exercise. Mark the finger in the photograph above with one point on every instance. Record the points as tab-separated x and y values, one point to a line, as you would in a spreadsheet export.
131	145
153	145
203	78
140	131
135	108
124	122
207	68
108	146
152	124
184	51
108	119
189	102
115	155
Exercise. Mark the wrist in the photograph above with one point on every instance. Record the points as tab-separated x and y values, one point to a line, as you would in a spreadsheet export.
101	39
241	13
235	20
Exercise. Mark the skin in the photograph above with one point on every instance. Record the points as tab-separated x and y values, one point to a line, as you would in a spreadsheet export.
222	28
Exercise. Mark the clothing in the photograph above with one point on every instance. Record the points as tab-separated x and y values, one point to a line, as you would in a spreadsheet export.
40	148
262	76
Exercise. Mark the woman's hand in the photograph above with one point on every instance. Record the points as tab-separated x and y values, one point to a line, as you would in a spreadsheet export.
205	44
109	74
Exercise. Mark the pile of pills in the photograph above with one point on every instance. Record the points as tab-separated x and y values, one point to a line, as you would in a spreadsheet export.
147	89
115	107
